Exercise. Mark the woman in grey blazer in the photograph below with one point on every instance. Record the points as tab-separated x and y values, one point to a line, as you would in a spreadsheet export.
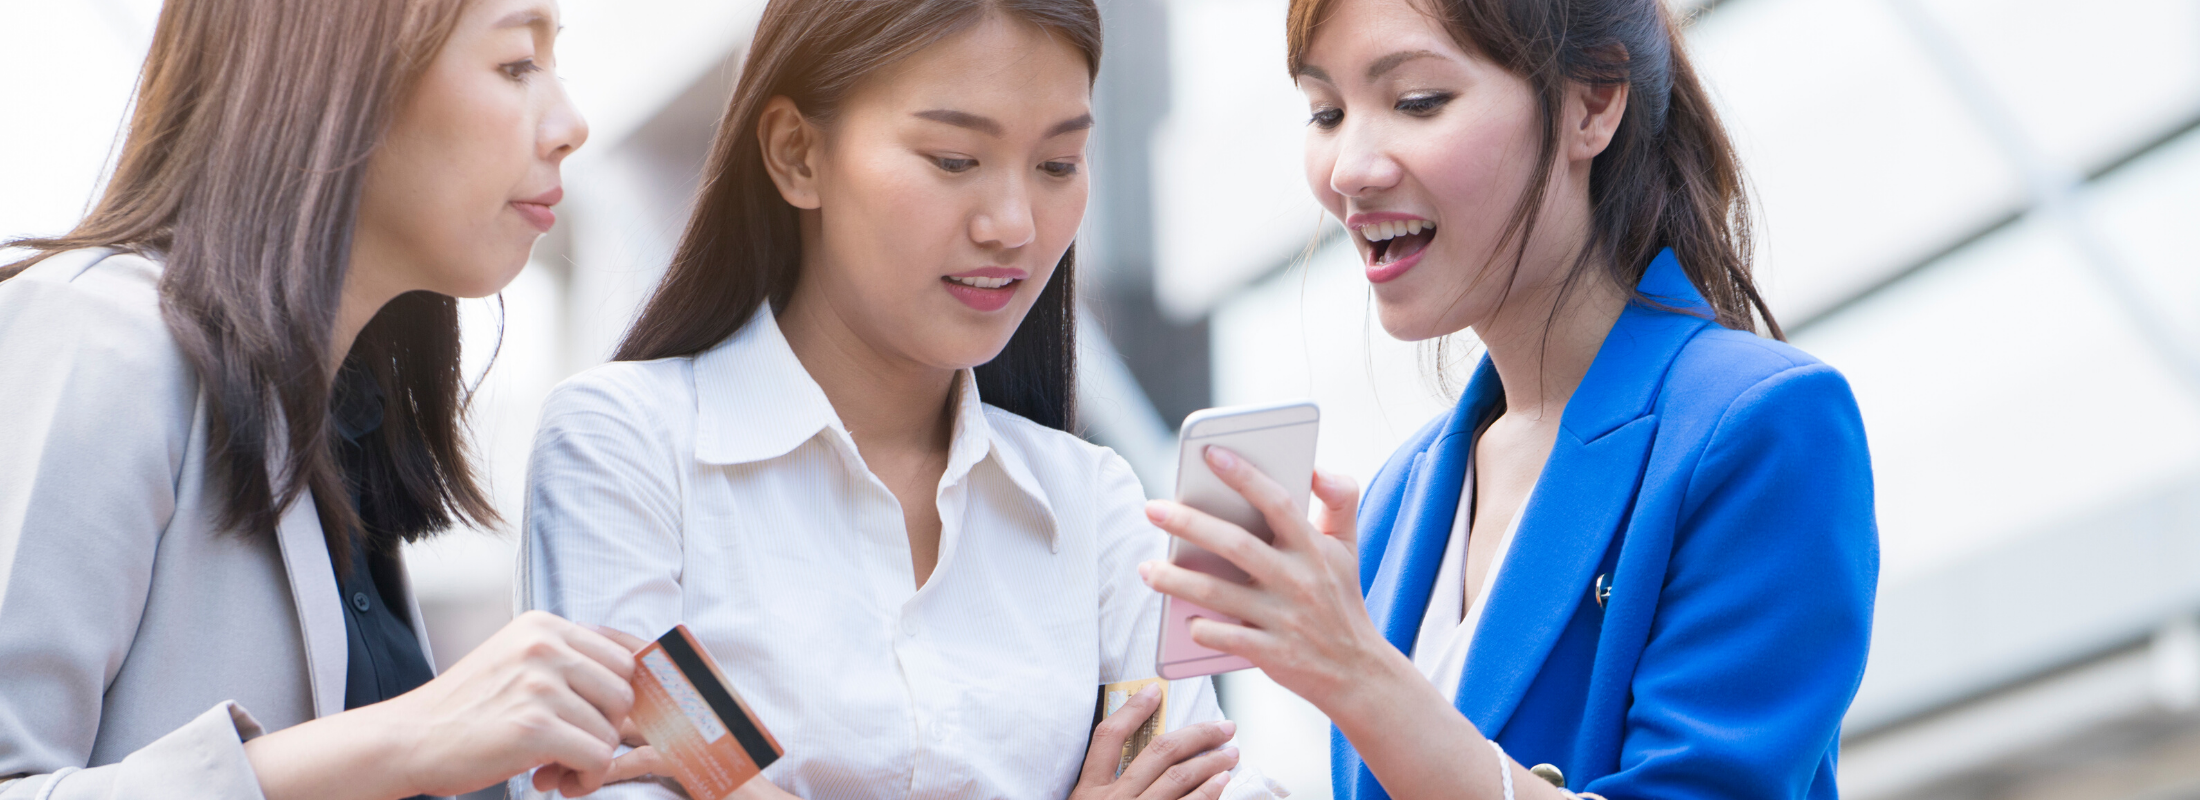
232	391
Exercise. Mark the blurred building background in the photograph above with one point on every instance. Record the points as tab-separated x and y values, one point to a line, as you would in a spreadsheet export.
1983	211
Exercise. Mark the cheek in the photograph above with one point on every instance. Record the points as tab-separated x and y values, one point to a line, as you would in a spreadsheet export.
895	220
1476	174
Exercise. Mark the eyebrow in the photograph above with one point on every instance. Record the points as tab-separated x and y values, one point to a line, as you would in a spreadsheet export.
523	18
986	125
1391	62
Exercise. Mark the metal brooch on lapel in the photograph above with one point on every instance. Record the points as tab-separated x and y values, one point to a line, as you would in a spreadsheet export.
1602	591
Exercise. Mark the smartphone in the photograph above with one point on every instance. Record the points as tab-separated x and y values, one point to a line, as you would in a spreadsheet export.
1278	440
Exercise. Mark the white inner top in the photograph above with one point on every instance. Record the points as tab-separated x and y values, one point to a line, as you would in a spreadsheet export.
1447	629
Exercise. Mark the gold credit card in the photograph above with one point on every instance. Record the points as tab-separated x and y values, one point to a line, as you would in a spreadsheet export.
686	710
1112	698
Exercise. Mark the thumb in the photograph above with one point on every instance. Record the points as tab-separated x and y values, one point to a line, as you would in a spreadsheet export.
1336	508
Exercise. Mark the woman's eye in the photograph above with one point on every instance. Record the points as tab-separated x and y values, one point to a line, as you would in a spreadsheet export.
1423	104
956	165
1059	169
1327	118
519	70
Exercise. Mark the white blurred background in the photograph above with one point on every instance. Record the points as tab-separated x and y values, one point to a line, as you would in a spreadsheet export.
1982	211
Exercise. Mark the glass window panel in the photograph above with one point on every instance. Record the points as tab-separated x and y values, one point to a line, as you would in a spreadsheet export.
67	71
2088	81
2146	212
1864	161
2002	390
1230	196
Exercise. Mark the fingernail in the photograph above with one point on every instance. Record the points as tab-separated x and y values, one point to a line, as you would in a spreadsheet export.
1156	512
1145	571
1228	729
1149	690
1221	458
1230	753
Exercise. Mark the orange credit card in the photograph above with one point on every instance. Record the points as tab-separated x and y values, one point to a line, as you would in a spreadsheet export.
686	710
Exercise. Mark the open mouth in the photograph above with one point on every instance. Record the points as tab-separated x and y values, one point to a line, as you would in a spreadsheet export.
1397	240
983	292
981	283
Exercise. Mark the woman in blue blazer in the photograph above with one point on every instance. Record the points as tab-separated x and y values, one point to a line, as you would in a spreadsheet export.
1639	553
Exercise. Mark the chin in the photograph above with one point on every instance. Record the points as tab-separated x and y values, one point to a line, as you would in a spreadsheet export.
1412	321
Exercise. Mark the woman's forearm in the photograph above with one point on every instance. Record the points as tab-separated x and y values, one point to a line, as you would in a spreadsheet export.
1417	744
349	756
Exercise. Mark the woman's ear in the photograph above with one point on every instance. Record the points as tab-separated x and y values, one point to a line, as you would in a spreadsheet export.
1593	115
790	145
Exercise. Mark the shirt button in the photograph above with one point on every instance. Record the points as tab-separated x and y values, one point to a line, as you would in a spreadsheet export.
359	600
909	627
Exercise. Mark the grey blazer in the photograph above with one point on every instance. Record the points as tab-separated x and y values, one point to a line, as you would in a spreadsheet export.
135	633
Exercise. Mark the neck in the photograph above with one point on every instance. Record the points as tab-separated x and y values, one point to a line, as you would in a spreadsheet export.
364	295
1542	343
885	400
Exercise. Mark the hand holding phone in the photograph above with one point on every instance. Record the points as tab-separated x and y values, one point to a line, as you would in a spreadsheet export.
1276	439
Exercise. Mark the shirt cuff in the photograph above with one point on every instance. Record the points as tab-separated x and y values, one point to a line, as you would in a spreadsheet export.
1247	783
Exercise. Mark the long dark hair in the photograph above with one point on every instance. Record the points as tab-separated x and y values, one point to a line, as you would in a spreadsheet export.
1669	178
242	171
742	247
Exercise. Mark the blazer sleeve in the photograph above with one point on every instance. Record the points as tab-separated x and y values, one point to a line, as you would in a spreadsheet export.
1765	615
98	413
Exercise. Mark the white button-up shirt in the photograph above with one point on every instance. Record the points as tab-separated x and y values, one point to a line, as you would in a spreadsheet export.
722	491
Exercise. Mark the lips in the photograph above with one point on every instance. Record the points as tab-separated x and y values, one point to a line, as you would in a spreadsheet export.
986	288
1392	243
536	210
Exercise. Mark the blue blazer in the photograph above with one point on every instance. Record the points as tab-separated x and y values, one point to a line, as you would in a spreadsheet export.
1720	481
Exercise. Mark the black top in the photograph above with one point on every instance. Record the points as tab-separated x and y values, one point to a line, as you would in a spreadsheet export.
385	656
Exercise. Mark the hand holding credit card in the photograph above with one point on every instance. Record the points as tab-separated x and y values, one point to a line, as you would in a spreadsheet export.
699	726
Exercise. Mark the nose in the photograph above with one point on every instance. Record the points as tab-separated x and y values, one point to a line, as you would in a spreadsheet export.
563	130
1006	221
1363	166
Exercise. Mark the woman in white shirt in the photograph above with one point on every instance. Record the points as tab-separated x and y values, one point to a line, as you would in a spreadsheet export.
918	591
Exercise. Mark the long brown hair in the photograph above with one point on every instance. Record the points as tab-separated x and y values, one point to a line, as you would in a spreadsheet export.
1669	177
742	247
241	170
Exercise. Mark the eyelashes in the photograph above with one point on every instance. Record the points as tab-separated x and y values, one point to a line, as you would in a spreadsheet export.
1423	104
519	70
957	166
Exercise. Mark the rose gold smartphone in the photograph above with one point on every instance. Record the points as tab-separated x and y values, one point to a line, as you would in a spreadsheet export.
1278	440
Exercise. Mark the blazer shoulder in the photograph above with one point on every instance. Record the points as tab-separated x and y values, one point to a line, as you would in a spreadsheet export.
1720	367
98	311
118	294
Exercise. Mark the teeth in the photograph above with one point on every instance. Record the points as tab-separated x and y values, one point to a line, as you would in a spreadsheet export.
983	283
1382	231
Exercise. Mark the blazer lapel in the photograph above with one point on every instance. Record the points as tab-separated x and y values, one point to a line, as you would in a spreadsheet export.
1582	498
320	610
1398	595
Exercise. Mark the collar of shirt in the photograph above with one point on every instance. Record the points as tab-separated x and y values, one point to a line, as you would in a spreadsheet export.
736	424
